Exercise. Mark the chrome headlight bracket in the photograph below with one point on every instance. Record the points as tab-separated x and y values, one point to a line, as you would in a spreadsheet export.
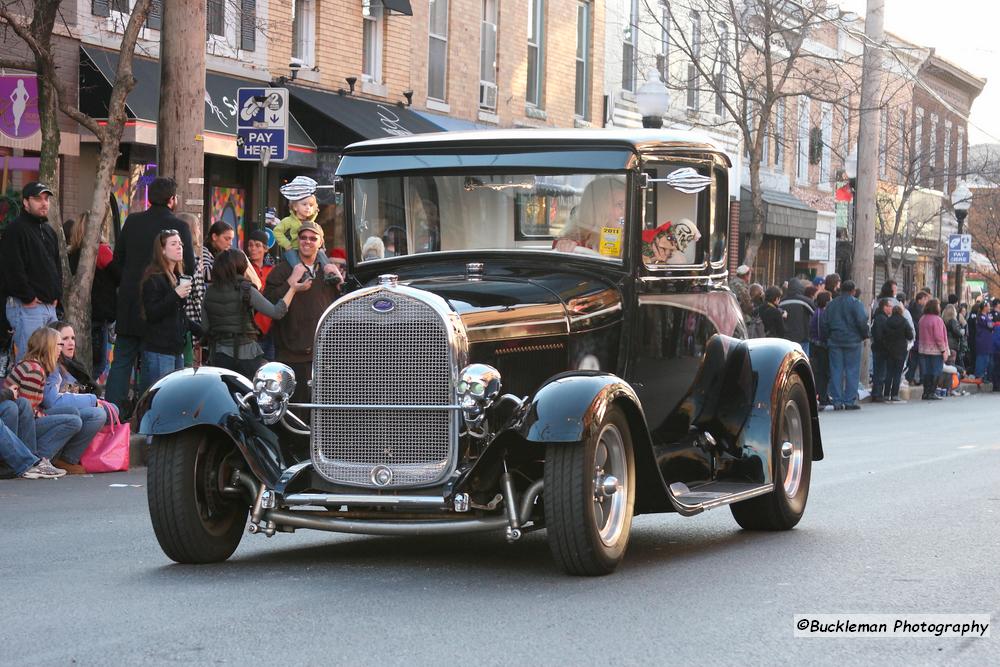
273	386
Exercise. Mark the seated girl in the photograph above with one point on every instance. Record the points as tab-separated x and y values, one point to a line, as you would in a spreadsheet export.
60	435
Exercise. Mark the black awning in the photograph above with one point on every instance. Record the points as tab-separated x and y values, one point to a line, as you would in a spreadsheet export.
398	6
787	215
144	100
359	119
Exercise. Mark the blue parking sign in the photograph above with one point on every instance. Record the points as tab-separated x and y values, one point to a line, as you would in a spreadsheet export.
262	124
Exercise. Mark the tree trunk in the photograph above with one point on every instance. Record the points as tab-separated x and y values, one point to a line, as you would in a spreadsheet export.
181	122
759	211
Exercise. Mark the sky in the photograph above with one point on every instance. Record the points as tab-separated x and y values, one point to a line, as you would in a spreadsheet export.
964	32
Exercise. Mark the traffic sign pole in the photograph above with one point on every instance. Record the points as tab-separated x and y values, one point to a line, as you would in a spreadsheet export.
265	158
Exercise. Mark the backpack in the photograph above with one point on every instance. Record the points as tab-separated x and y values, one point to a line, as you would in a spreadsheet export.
755	326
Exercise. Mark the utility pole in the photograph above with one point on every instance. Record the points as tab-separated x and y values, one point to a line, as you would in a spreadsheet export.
863	262
180	144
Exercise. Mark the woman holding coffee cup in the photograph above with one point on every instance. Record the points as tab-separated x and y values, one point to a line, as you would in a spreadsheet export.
164	293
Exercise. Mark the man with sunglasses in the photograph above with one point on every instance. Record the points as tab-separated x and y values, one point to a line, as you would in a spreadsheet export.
293	334
133	253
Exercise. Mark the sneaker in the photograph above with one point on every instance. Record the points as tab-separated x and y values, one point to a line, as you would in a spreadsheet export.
71	468
852	406
838	407
37	472
896	399
46	465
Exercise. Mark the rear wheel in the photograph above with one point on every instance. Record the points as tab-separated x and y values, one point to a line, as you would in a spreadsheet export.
193	520
589	497
791	451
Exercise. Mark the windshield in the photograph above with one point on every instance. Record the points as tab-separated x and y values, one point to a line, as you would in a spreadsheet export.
558	212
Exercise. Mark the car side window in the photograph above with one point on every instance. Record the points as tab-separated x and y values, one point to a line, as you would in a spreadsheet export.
675	215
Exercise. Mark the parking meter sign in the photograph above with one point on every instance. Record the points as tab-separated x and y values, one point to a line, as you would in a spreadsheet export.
262	124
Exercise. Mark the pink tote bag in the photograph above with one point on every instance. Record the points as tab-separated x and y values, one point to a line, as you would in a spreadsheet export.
109	450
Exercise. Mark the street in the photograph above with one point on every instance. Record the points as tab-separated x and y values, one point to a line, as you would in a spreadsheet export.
902	518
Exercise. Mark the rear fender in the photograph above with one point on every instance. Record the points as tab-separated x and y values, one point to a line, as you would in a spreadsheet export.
207	397
774	361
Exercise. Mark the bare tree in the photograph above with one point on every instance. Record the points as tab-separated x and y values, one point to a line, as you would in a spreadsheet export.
34	24
751	55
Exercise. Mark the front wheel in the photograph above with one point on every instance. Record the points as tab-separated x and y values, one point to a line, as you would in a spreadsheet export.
791	451
589	497
193	520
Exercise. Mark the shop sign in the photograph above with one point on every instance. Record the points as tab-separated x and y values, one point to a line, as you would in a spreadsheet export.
19	106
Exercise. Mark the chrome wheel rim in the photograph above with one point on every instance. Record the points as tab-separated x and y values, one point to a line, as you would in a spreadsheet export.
792	450
610	485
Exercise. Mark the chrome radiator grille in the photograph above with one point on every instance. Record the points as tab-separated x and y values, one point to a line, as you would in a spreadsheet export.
367	357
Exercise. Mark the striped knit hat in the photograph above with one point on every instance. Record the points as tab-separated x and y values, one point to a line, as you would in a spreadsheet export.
300	187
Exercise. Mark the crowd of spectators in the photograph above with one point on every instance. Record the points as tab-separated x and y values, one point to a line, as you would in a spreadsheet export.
172	301
914	341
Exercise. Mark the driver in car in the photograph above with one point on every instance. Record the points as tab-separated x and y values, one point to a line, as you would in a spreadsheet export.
600	220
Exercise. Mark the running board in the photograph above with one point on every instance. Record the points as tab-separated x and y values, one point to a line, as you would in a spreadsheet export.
708	496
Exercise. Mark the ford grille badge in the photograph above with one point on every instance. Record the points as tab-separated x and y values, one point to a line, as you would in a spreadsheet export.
381	476
383	305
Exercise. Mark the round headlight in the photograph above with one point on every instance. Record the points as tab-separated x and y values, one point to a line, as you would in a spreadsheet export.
273	386
478	387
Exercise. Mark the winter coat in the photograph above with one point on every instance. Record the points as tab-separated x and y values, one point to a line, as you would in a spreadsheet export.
800	309
896	333
163	312
931	335
955	334
104	289
816	336
293	335
845	323
133	253
984	333
29	260
774	321
878	331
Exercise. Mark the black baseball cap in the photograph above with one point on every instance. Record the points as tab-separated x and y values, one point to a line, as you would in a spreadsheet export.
258	235
34	189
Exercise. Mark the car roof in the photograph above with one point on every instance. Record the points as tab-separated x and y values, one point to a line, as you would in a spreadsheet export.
637	139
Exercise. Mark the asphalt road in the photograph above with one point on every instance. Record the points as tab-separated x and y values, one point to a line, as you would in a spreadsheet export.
903	517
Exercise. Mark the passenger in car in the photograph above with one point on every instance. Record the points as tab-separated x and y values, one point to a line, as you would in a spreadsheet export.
668	243
599	221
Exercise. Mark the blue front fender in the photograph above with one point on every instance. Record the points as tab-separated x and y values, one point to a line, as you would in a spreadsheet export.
571	405
206	398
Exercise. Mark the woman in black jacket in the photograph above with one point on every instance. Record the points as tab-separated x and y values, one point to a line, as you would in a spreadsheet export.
163	297
103	291
895	333
228	309
772	316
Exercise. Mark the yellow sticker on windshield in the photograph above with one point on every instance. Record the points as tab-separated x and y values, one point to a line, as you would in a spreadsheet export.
611	242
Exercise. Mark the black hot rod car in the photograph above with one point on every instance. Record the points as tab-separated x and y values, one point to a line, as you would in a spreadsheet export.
535	332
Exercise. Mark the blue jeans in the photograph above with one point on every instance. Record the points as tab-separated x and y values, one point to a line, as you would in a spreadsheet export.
122	365
53	432
982	365
91	421
15	453
931	367
19	417
845	372
24	320
156	366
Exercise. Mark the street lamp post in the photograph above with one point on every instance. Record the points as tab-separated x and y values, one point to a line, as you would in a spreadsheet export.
961	202
652	99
